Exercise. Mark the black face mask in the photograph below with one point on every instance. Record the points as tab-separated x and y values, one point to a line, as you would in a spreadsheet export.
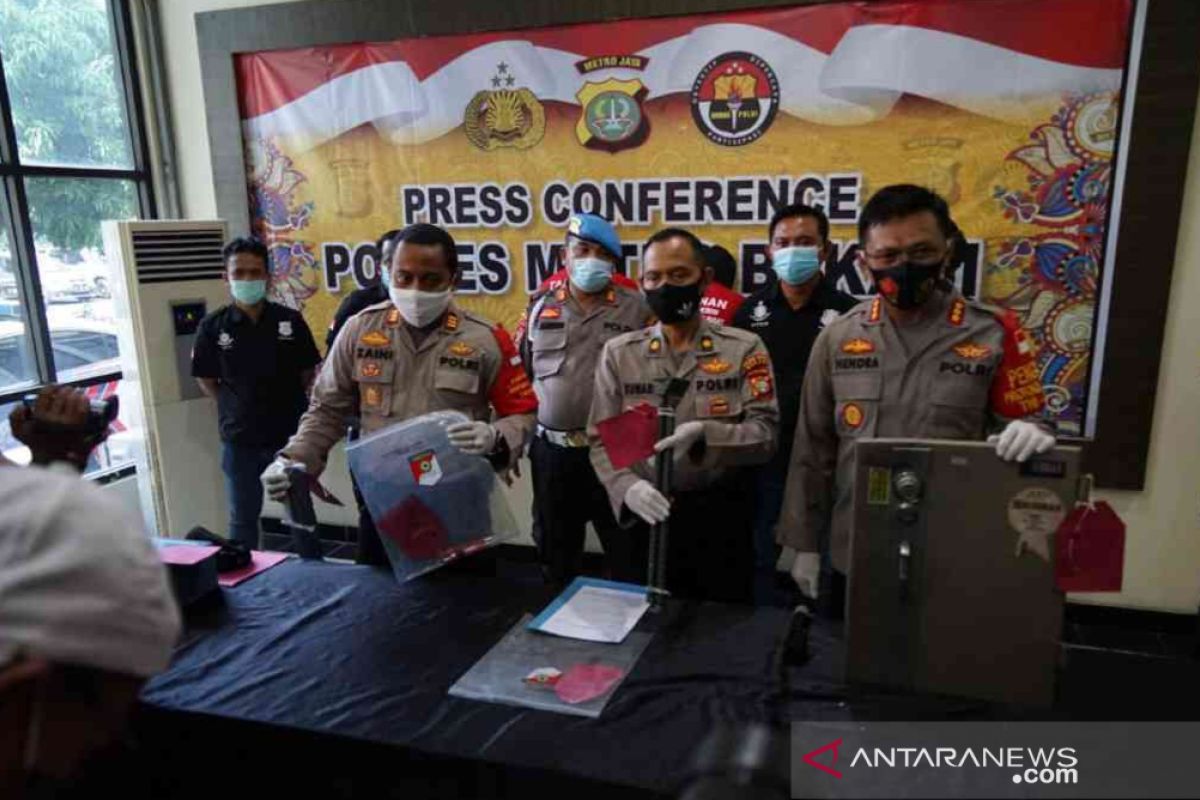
672	303
907	285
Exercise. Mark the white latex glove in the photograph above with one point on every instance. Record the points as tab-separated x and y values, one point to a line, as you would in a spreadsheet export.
473	438
1020	440
275	479
647	502
682	439
806	572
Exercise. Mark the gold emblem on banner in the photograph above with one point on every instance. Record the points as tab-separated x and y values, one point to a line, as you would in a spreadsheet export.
504	117
612	118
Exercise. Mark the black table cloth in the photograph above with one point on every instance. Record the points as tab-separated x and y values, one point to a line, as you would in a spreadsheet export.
327	680
320	655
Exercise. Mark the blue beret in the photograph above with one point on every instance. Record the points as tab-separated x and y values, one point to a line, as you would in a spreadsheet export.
597	230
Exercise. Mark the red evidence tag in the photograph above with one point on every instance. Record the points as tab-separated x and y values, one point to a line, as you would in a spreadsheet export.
629	437
1090	550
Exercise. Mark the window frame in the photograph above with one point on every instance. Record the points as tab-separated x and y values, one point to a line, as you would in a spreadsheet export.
14	205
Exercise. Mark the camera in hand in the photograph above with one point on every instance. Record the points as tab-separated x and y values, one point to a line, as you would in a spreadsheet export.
101	414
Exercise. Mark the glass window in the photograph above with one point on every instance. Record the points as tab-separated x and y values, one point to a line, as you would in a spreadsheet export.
17	365
74	274
77	160
64	83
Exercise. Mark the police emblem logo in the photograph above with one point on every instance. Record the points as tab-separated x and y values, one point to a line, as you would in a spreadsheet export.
718	407
285	329
853	416
972	350
706	343
505	115
760	313
655	346
451	321
426	470
461	349
543	678
888	288
760	384
612	118
224	341
735	98
715	366
858	346
756	368
393	318
370	369
375	339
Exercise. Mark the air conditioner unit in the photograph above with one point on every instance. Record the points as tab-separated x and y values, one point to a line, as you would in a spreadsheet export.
167	275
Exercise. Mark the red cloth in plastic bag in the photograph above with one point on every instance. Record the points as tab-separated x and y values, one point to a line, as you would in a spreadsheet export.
584	682
415	529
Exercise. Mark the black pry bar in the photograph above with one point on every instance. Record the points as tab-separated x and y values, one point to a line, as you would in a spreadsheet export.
673	392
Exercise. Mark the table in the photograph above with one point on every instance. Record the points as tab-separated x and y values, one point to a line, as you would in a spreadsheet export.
328	680
336	675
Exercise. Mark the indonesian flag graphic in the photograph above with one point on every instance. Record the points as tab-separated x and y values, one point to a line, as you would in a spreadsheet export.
836	64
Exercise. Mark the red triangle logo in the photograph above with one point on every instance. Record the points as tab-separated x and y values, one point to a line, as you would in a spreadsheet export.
810	758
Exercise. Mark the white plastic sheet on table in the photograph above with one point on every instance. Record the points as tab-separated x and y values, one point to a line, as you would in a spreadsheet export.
430	502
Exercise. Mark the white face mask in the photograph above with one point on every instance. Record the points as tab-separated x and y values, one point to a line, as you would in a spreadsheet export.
419	308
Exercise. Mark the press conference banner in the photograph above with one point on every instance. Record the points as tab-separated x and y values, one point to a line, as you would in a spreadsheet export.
1008	108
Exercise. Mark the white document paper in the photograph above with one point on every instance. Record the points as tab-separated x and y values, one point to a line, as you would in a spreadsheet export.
594	610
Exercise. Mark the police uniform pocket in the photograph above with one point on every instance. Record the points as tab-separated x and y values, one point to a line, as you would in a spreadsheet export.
856	403
457	379
958	407
374	379
718	405
549	351
375	399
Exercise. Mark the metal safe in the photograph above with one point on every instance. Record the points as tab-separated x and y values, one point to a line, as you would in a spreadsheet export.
951	587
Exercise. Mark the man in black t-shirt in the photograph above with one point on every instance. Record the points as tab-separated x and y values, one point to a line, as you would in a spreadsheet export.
359	299
787	315
258	359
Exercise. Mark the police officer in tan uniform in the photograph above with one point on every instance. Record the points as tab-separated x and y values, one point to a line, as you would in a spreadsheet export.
412	355
727	420
560	341
917	361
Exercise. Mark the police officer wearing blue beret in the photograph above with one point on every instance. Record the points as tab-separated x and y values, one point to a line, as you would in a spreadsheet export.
560	341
